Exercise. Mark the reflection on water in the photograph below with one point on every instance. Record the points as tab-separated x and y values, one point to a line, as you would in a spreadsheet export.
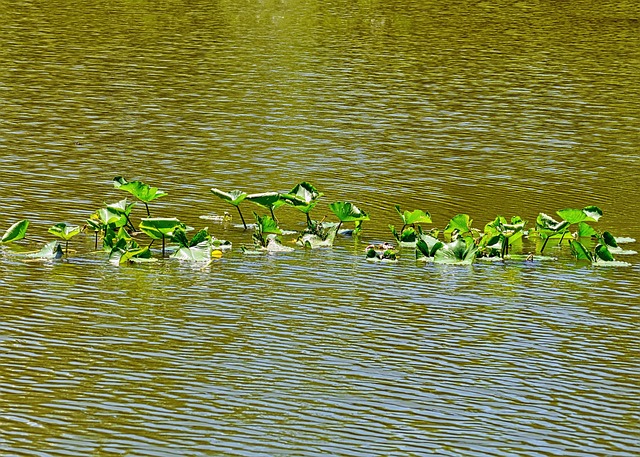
478	108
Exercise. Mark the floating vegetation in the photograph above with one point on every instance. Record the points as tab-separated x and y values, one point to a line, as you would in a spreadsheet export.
458	243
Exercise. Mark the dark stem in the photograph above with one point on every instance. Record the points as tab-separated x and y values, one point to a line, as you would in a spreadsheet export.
308	220
544	244
66	248
561	238
147	206
242	218
133	229
163	245
339	225
273	215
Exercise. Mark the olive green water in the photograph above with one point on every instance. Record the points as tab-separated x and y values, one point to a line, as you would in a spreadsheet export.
484	108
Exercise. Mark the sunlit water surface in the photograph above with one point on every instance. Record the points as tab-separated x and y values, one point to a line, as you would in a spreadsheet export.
482	108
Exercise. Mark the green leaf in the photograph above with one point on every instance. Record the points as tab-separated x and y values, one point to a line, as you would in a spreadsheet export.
197	253
460	223
603	253
138	189
427	246
580	251
609	240
585	230
593	213
460	251
235	197
108	216
269	200
16	232
303	197
158	228
50	251
266	225
414	217
348	212
548	226
122	208
64	231
574	216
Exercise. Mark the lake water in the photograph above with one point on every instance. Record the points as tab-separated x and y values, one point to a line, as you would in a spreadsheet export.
485	108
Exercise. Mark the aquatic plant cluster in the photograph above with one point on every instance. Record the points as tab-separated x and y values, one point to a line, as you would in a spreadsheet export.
457	243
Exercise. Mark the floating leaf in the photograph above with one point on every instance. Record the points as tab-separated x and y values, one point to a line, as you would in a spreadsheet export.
197	253
460	251
16	232
50	251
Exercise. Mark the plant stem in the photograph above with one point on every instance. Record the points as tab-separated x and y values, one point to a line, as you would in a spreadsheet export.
66	248
163	245
242	218
544	244
147	206
561	238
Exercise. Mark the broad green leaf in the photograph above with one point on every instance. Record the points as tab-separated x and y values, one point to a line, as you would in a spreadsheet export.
16	232
235	197
108	216
603	253
50	251
593	213
348	212
197	253
414	217
547	225
159	228
585	230
571	215
65	231
138	189
322	237
122	208
460	223
574	216
304	196
269	200
266	225
580	251
125	251
200	237
460	251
